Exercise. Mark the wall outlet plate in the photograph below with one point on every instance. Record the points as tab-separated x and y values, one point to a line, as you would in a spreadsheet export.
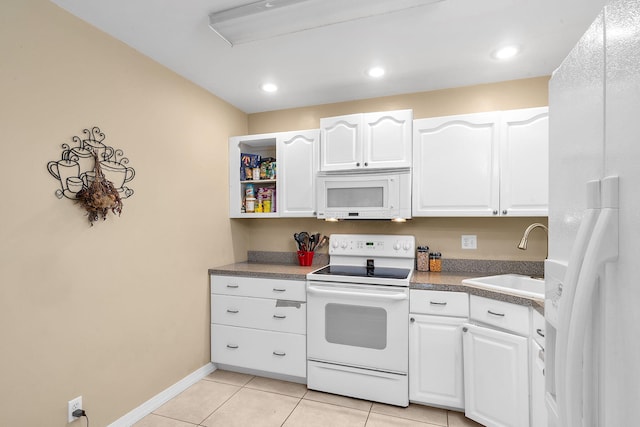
74	404
469	241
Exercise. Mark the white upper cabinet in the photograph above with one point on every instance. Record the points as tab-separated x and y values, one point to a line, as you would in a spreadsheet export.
524	162
291	193
455	168
341	142
484	164
298	161
366	141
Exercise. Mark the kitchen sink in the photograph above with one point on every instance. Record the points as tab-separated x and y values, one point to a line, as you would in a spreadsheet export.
514	284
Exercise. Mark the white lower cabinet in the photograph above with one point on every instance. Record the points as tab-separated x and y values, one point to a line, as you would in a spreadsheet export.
538	406
435	348
259	324
496	363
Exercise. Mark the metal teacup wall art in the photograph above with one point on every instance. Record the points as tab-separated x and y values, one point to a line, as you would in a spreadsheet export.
93	174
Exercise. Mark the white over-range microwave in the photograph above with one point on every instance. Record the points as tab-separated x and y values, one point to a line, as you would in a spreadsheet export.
379	195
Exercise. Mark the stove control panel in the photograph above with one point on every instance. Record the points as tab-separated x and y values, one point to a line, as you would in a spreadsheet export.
375	245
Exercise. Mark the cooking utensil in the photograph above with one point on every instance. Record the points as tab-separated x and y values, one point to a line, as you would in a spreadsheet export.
323	241
302	238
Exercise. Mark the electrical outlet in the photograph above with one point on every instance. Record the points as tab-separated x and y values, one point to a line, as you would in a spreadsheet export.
74	404
469	241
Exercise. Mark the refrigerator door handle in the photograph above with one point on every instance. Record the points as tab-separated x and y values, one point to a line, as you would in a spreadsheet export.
602	249
576	258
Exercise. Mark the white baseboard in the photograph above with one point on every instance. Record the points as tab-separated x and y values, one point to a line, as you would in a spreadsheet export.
161	398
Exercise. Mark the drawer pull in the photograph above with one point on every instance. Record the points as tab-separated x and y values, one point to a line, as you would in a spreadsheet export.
437	303
279	290
232	286
279	316
539	332
232	311
495	314
232	346
279	353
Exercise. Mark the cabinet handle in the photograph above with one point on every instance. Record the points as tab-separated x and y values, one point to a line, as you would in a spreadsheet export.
540	332
232	311
495	212
279	353
279	316
232	286
495	314
465	329
412	319
358	164
366	164
437	303
278	290
232	346
504	212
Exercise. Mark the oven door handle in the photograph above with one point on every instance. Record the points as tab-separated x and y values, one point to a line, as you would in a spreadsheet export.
362	294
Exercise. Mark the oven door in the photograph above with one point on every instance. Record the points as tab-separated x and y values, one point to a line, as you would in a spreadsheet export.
358	325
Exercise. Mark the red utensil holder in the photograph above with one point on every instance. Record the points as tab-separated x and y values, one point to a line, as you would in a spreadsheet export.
305	258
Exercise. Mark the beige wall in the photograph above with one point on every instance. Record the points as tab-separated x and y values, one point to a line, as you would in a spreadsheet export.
497	237
119	311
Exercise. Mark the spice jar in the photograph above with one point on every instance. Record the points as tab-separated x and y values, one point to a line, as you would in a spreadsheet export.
422	259
435	261
250	204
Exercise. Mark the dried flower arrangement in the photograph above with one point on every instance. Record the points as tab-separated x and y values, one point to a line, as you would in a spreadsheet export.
99	196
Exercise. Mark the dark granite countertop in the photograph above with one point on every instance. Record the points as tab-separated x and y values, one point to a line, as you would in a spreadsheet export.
444	281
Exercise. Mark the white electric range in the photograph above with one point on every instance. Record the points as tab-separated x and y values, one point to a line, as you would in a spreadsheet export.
358	318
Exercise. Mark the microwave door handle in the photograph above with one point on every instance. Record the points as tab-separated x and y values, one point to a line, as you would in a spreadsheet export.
394	297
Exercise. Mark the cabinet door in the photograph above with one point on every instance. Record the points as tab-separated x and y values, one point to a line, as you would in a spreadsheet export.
538	408
341	142
435	361
297	167
455	162
524	162
387	139
496	377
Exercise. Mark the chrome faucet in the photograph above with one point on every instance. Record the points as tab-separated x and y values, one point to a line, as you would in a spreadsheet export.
525	238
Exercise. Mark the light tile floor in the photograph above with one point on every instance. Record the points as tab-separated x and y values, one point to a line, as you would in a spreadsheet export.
231	399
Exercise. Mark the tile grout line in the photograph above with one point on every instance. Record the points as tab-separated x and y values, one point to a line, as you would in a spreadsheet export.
222	404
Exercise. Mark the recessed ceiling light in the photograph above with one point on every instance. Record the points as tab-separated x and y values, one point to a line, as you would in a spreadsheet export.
375	72
506	52
269	87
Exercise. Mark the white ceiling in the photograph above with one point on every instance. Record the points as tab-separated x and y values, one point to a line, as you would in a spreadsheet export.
441	45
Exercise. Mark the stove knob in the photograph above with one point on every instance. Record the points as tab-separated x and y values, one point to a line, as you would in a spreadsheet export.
343	245
397	246
406	246
334	244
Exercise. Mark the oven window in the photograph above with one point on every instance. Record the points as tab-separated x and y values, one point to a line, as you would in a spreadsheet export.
356	325
356	197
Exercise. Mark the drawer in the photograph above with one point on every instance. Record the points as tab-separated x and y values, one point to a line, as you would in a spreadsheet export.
511	317
439	303
259	313
269	351
293	290
538	328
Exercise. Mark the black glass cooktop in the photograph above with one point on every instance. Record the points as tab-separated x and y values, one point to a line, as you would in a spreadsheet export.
362	271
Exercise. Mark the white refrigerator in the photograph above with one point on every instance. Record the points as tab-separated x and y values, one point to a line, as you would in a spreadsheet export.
592	303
